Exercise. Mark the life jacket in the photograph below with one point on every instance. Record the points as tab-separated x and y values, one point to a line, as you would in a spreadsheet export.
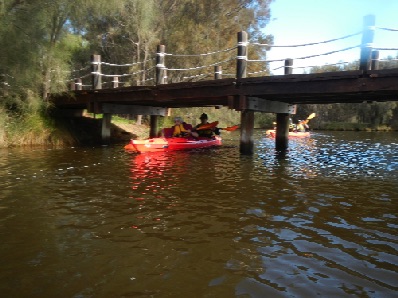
204	132
179	130
301	127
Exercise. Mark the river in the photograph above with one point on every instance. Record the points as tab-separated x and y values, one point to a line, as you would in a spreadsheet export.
320	221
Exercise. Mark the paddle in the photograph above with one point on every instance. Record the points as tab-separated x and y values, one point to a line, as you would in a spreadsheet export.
230	128
208	126
309	118
214	124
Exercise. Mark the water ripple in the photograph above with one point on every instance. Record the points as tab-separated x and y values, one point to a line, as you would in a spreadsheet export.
319	221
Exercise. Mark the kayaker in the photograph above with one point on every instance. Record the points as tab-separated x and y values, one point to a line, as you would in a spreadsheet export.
180	128
205	132
292	126
302	126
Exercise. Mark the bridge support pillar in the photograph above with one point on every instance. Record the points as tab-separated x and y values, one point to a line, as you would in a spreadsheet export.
154	126
106	128
246	132
282	131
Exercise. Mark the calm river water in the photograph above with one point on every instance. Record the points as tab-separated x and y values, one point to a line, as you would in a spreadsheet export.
99	222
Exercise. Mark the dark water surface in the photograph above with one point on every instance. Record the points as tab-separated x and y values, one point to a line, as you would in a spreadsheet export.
98	222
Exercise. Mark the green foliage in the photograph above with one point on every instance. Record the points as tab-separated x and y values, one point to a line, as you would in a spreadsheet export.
29	124
45	41
198	27
343	126
264	120
118	119
224	116
349	126
352	116
45	44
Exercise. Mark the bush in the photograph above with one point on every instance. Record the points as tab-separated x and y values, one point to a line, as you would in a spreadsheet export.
28	123
343	126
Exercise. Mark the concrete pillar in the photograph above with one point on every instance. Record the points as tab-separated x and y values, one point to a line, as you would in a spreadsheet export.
247	116
106	128
246	132
154	126
282	119
282	131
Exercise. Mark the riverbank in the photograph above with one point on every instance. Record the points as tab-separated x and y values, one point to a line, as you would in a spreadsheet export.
43	130
87	130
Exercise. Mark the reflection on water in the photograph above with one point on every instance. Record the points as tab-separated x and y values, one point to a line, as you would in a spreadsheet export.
97	222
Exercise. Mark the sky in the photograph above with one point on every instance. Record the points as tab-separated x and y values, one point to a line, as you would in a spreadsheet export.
306	21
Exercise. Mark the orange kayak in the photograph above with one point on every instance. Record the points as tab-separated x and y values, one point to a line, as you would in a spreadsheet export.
292	134
171	144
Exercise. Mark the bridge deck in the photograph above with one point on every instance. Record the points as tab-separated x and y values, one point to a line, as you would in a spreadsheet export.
322	88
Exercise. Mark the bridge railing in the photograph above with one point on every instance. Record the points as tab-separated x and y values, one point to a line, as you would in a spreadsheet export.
159	72
307	56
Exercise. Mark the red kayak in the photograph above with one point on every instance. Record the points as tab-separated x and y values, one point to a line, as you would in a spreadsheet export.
171	144
292	134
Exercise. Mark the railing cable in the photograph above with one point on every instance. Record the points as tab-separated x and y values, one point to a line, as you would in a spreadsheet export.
127	64
200	55
387	29
201	67
305	44
310	56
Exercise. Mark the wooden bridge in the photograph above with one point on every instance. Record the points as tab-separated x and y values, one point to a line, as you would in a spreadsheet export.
270	94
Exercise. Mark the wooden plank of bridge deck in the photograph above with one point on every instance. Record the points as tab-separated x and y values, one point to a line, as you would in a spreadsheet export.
393	72
197	90
303	77
120	95
178	94
350	86
70	99
344	89
198	84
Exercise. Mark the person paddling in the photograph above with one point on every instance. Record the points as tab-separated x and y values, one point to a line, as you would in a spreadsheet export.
302	126
208	132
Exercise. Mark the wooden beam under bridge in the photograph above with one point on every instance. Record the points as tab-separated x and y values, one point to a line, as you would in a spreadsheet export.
133	109
108	109
268	106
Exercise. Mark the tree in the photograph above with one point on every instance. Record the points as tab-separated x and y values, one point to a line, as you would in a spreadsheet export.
200	27
127	37
374	114
38	41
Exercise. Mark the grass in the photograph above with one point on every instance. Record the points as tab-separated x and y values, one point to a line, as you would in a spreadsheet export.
33	126
34	130
29	124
